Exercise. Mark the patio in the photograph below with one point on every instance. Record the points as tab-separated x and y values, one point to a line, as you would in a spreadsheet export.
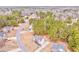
9	45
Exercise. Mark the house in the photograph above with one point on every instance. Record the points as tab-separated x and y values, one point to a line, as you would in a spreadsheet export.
58	48
26	21
7	29
39	39
34	16
24	13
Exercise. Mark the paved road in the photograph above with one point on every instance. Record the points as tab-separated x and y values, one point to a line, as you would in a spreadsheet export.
18	37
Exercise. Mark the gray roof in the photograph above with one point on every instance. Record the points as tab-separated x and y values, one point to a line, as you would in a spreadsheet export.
7	28
38	37
57	47
2	34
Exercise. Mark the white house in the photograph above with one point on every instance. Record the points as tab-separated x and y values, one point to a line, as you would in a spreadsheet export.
39	39
34	16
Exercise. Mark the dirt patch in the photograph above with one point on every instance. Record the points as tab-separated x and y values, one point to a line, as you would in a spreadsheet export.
11	34
9	45
30	44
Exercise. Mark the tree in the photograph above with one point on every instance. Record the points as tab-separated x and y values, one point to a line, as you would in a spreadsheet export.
14	23
21	20
68	20
49	13
41	14
16	13
74	39
38	27
31	20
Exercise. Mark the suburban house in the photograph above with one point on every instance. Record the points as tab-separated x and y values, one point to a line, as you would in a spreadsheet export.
39	39
7	29
34	16
26	21
58	48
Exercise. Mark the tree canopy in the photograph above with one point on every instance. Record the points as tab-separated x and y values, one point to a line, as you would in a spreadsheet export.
11	20
58	29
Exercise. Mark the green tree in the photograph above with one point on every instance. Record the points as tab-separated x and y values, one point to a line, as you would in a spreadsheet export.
68	20
31	20
14	23
74	39
38	26
41	14
16	13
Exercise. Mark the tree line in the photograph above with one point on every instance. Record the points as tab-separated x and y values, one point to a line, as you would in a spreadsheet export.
11	20
57	29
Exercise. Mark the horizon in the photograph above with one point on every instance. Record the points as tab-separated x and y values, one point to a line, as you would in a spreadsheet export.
39	7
